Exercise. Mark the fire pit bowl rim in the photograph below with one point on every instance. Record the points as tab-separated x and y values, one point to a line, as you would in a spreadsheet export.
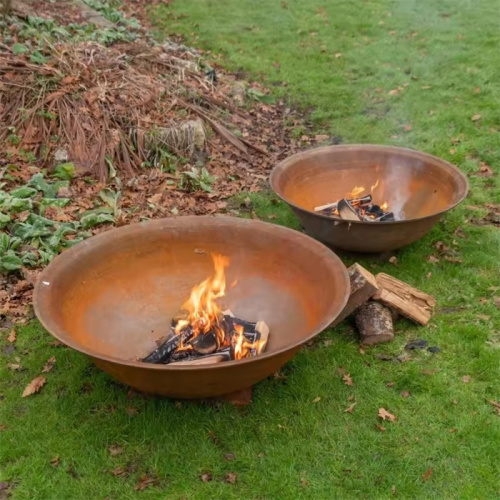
68	255
282	165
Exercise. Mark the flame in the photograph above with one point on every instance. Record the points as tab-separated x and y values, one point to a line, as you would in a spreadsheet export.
204	313
355	192
384	206
374	187
203	310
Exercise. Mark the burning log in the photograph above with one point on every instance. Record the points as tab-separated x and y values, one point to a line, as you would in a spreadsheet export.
163	352
363	287
205	343
405	299
374	322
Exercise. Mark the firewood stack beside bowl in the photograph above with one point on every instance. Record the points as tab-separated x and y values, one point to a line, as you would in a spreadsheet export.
377	301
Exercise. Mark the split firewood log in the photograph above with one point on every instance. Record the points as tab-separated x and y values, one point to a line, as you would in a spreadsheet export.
374	322
405	299
363	287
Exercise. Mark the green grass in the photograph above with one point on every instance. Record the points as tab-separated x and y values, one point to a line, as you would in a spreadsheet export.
286	446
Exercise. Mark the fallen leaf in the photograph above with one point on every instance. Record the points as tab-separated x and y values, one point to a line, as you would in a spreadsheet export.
429	372
428	275
407	128
304	481
144	482
132	411
231	477
389	384
54	462
229	456
362	351
476	117
496	301
385	415
432	259
338	55
351	397
428	473
3	427
347	379
341	370
484	317
49	365
381	428
115	449
317	399
393	489
466	379
350	409
485	170
452	151
55	343
495	404
207	477
272	216
14	366
34	386
405	394
452	431
261	455
12	336
394	260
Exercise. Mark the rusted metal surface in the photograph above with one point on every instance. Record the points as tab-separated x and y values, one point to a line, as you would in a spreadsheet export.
425	186
113	295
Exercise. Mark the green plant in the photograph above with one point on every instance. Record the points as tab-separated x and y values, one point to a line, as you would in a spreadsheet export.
197	178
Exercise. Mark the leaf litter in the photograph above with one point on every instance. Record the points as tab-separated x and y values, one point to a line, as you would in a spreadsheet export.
34	386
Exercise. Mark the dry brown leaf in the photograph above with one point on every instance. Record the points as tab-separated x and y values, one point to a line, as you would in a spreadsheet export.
432	259
496	301
144	482
229	456
207	477
338	55
389	384
393	489
484	317
405	394
452	151
115	449
132	411
12	336
350	409
394	260
54	462
231	477
452	431
317	399
407	128
475	117
428	473
466	379
49	365
485	170
362	351
34	386
385	415
381	428
14	366
495	404
347	379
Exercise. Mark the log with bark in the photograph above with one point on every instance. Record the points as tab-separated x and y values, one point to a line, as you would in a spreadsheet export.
363	287
374	322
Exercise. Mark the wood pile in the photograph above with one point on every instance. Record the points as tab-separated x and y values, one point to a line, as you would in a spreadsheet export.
377	301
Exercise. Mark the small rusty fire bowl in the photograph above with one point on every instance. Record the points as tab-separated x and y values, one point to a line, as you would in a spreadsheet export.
423	186
113	295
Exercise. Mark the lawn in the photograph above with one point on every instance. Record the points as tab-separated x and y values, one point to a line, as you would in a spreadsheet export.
401	73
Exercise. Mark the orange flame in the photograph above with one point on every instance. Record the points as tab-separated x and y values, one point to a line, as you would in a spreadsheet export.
355	192
384	206
204	313
374	187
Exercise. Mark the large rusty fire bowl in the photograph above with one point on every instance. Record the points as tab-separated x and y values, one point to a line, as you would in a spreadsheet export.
113	295
423	186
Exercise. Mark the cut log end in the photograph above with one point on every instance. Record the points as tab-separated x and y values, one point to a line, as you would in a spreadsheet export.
374	322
